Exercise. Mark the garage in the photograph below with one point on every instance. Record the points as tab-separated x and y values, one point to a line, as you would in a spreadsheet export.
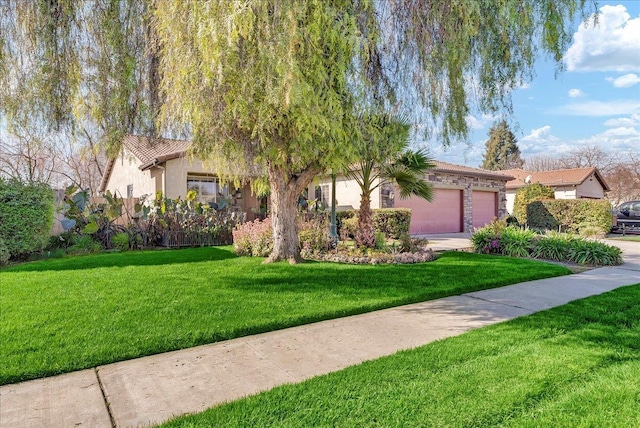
442	215
484	207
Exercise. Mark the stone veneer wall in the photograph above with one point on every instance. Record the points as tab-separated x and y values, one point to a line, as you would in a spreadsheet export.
468	184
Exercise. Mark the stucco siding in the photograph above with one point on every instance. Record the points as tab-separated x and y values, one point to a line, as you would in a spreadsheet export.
348	193
125	172
590	188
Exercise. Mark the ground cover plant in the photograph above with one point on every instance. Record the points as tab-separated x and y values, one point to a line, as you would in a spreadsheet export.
575	365
67	314
500	238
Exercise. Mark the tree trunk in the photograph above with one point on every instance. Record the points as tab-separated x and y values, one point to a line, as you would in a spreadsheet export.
365	235
285	190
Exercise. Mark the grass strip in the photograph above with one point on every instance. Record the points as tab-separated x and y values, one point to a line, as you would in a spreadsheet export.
62	315
575	365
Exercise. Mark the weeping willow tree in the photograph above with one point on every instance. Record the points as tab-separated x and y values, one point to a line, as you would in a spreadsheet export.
271	83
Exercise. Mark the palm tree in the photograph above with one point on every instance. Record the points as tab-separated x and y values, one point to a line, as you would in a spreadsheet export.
384	157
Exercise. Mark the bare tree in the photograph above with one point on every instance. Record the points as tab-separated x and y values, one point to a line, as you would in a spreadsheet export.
26	154
589	156
32	155
624	180
541	163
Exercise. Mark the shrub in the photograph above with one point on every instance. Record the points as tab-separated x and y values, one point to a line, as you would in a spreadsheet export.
584	252
121	241
26	217
4	253
393	222
516	242
487	239
381	241
254	238
554	246
349	228
313	235
163	221
571	215
527	194
84	244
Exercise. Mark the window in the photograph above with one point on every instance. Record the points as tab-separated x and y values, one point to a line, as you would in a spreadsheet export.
129	191
208	189
323	194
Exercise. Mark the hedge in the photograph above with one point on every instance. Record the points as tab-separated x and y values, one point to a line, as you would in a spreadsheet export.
26	217
570	215
527	194
393	222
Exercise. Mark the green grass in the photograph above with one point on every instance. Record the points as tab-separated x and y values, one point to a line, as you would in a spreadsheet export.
68	314
633	238
575	365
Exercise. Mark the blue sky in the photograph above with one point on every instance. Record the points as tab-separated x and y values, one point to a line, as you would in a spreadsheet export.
595	101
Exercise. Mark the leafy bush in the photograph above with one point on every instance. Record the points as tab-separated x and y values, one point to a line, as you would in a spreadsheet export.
313	235
121	241
86	216
516	242
497	238
84	244
571	215
4	253
527	194
586	252
487	239
26	217
553	246
349	228
393	222
254	238
160	218
381	241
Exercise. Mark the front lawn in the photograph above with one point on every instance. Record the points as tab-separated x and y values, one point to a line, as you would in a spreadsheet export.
575	365
62	315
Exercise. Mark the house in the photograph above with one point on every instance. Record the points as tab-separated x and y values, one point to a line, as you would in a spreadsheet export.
575	183
464	198
145	166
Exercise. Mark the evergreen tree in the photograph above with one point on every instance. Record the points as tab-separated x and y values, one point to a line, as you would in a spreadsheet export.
501	149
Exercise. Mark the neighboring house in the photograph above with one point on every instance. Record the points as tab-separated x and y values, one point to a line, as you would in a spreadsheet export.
576	183
145	166
464	198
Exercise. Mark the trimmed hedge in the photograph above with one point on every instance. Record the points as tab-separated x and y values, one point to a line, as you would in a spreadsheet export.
570	215
26	217
393	222
528	194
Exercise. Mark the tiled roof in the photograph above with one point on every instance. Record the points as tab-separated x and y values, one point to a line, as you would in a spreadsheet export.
475	172
150	149
555	178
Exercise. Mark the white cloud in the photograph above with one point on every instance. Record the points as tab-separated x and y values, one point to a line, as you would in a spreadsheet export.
481	122
626	80
614	140
575	93
610	45
599	108
619	122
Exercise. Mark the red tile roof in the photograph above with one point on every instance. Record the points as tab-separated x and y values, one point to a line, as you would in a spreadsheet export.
475	172
555	178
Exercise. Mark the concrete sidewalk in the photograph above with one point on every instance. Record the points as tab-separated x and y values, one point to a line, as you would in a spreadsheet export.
152	389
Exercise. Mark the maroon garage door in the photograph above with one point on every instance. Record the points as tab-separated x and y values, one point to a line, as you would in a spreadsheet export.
442	215
485	207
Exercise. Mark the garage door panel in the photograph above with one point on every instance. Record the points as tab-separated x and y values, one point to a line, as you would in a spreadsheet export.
485	207
442	215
